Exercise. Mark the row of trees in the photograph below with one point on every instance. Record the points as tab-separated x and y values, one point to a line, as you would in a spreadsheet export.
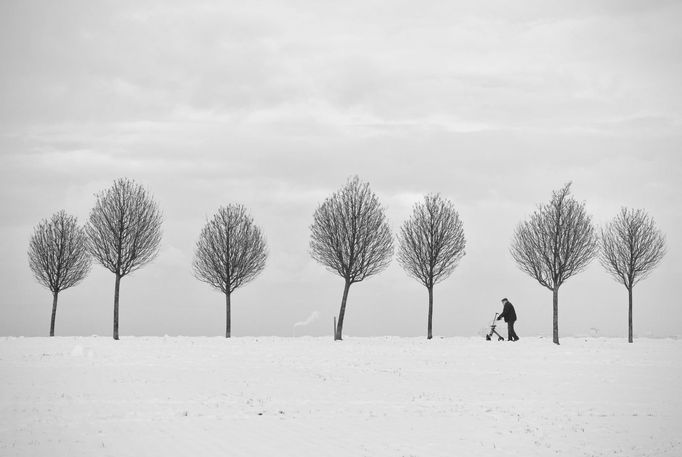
123	233
350	236
559	241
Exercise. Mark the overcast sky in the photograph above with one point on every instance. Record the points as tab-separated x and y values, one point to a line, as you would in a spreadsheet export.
275	104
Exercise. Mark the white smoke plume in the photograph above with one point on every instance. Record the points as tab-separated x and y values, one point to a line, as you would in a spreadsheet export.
312	318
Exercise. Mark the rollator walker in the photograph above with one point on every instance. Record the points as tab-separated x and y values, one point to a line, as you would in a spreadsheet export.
489	336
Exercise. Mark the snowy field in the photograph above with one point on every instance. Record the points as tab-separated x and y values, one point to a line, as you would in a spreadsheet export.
177	396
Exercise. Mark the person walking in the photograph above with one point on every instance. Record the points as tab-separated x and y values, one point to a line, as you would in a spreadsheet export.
509	316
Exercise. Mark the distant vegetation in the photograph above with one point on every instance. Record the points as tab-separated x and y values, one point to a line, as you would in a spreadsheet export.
351	237
431	244
124	231
58	256
231	252
631	247
557	242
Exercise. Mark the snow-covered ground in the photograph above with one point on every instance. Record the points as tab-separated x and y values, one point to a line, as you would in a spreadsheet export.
360	397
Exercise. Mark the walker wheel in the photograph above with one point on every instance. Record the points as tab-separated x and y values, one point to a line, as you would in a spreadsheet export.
487	337
500	339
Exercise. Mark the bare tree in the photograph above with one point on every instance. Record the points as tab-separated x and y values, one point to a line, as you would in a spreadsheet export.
124	231
556	243
631	247
430	244
58	256
351	237
231	252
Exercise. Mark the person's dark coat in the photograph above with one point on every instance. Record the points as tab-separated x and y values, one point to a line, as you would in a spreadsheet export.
508	313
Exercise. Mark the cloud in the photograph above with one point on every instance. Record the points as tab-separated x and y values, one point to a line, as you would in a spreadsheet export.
368	66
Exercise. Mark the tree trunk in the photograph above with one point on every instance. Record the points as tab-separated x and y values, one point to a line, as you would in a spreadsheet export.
54	312
630	315
116	295
228	317
342	312
430	325
555	319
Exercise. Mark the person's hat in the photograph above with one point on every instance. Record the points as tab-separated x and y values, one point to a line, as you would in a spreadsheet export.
504	299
